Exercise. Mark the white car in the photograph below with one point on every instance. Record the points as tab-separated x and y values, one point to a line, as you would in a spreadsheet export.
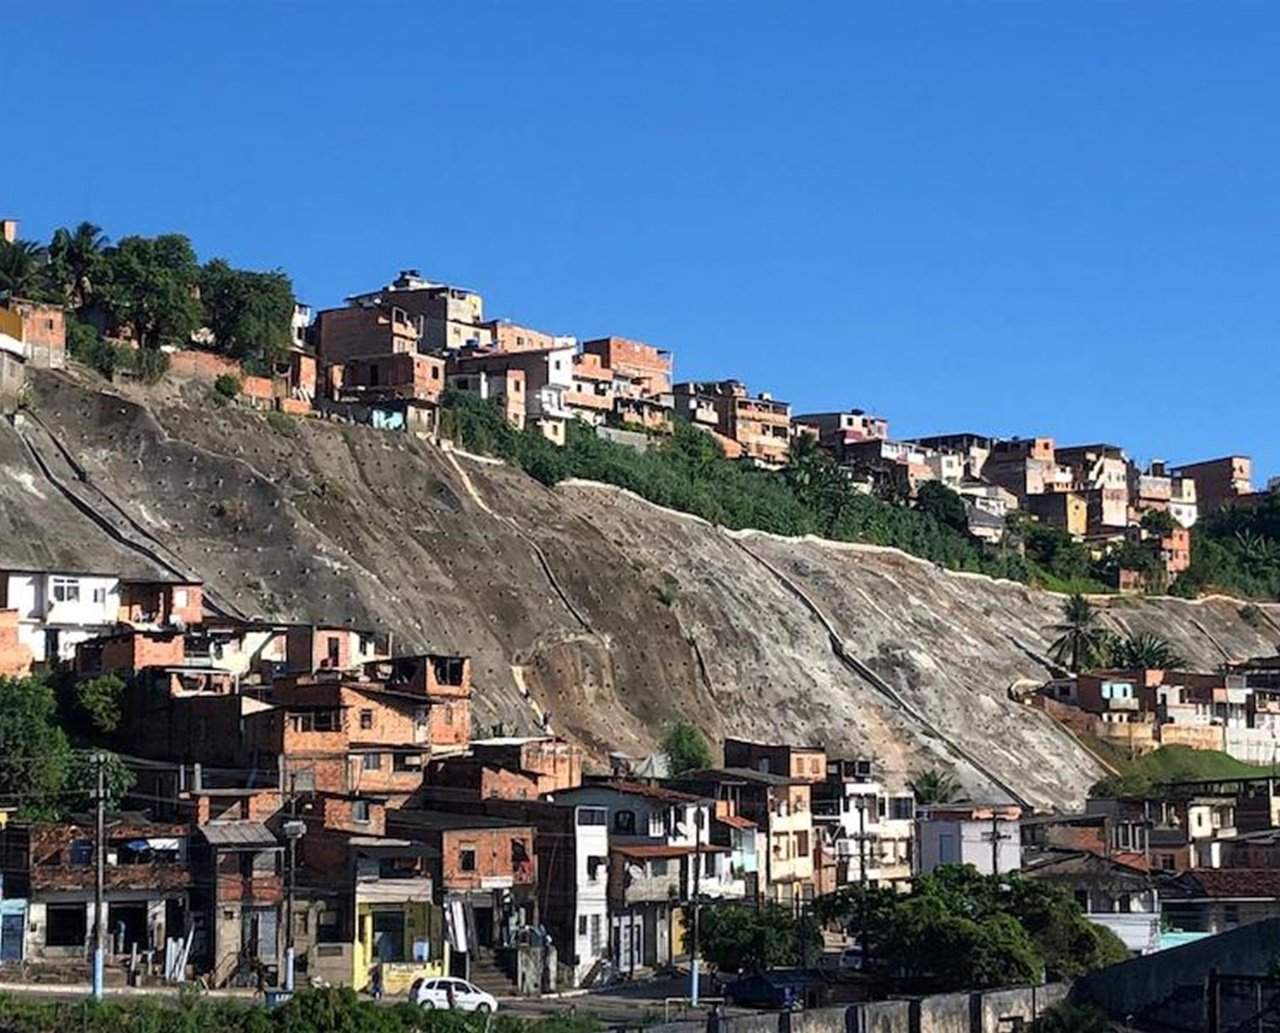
452	993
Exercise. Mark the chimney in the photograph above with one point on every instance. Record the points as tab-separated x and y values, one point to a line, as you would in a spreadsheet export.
9	230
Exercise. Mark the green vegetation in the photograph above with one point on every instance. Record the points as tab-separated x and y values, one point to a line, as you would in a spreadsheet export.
1083	644
1143	774
935	787
689	472
1236	551
686	749
153	291
310	1011
282	424
958	929
99	702
39	769
227	385
1069	1017
735	938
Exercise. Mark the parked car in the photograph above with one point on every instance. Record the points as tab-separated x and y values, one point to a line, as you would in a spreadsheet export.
452	993
779	990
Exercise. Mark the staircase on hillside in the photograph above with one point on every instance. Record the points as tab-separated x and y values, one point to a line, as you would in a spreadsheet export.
488	974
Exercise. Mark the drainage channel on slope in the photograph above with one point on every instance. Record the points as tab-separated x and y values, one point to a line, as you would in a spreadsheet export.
859	668
212	599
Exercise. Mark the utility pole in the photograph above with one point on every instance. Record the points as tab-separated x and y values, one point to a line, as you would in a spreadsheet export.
293	830
99	882
697	890
862	876
995	835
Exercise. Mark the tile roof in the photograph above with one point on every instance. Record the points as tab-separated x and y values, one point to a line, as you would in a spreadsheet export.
651	792
735	821
1241	883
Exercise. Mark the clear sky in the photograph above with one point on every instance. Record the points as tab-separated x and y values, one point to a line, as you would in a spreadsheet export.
1036	218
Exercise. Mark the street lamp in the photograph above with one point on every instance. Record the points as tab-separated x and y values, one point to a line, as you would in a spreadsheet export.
293	831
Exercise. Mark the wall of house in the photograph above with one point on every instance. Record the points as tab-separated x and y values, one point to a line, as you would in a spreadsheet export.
493	856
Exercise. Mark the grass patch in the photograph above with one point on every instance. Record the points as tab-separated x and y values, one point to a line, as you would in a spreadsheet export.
281	424
1144	773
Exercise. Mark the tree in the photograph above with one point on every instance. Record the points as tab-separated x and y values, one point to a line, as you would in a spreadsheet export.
75	259
742	939
98	701
1081	641
23	270
1158	523
34	752
944	505
935	786
1145	651
685	749
250	314
81	786
152	289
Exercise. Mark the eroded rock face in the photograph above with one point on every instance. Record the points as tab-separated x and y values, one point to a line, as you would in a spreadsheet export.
615	616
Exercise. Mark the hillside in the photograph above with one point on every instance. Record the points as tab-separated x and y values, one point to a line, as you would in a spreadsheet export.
614	615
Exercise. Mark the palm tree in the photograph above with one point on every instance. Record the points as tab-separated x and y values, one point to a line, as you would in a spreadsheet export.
22	269
75	256
1081	641
935	787
1146	652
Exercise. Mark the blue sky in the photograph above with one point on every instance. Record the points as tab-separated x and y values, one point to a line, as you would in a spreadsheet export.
1014	218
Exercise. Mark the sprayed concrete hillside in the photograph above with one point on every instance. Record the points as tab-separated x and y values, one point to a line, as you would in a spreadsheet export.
613	615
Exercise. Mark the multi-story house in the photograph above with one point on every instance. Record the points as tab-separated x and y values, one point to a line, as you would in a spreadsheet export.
1065	510
1218	481
547	382
973	450
367	901
803	763
49	873
760	425
511	768
779	805
1183	506
661	856
54	611
870	828
985	836
365	330
504	387
571	842
836	430
1026	466
486	871
592	396
639	370
450	318
40	328
1101	474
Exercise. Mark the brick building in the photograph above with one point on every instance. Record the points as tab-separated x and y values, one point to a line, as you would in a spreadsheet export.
761	426
639	370
1218	481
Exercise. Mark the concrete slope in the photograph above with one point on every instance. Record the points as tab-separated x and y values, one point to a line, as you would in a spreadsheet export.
611	615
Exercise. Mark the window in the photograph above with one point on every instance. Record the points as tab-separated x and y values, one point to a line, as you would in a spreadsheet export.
334	650
406	762
582	925
99	596
467	857
802	844
81	852
709	866
360	811
597	941
366	720
624	823
66	590
658	867
366	642
593	816
1230	914
448	669
65	925
902	808
371	762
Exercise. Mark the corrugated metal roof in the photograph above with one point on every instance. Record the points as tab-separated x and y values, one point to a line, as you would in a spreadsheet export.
238	834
